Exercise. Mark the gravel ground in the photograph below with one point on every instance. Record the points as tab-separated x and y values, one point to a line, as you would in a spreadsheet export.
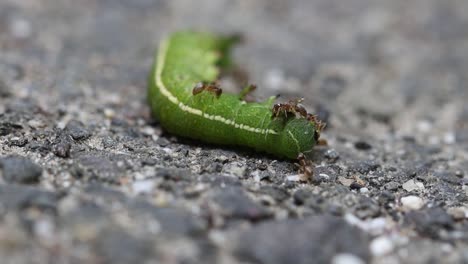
87	176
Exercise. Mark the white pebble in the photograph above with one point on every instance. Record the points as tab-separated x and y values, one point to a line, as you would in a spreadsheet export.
381	246
412	185
458	213
148	131
377	225
109	113
449	138
20	28
364	190
347	258
412	203
141	187
424	126
345	181
293	178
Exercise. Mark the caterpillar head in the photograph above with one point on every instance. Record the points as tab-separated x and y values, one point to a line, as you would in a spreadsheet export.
298	136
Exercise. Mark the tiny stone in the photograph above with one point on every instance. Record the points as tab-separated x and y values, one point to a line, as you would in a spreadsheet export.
44	229
162	142
235	169
294	178
364	190
115	121
17	169
424	126
301	195
8	128
262	166
222	158
324	177
109	113
332	154
108	142
449	138
143	186
17	141
20	28
356	185
77	130
149	162
412	203
362	145
141	122
148	131
377	226
345	181
386	197
62	149
346	258
392	186
458	213
412	185
35	123
381	246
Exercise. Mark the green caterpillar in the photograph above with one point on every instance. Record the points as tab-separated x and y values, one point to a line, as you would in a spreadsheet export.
187	102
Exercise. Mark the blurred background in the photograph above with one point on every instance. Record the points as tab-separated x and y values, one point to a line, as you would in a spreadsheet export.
359	57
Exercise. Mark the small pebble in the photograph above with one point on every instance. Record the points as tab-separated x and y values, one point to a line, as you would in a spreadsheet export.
412	185
324	177
17	141
362	145
62	149
364	190
36	123
459	173
109	113
356	185
294	178
424	126
17	169
345	181
148	131
458	213
77	130
381	246
20	28
235	168
332	154
143	186
44	228
449	138
412	203
346	258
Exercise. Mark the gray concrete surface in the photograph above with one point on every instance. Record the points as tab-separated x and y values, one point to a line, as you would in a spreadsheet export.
88	177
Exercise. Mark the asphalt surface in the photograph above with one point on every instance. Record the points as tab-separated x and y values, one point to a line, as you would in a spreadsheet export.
87	176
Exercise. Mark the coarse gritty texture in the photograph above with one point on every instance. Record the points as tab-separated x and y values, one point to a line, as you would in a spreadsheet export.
88	176
188	58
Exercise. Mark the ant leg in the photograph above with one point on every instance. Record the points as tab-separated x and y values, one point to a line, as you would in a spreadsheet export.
211	87
246	91
305	168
